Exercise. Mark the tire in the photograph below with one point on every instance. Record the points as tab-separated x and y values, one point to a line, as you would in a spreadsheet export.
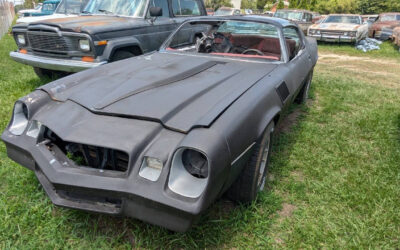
49	74
252	179
304	92
121	55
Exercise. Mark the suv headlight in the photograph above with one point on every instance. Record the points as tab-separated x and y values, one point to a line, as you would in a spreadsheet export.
20	119
189	173
84	45
21	39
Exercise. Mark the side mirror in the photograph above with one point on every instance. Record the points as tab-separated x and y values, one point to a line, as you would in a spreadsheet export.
155	11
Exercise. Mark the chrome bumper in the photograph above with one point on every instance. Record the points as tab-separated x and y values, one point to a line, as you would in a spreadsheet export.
333	38
53	63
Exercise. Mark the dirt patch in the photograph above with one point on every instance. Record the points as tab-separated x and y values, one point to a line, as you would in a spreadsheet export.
287	210
338	57
297	175
289	121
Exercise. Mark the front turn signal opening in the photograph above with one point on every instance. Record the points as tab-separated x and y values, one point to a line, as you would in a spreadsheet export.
88	59
23	51
99	43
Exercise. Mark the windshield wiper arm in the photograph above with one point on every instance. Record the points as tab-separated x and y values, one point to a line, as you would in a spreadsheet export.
106	11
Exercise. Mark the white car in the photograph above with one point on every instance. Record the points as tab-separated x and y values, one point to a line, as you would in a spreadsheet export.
340	28
67	8
38	8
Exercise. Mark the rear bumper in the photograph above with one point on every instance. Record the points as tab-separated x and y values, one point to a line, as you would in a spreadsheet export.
90	190
53	63
334	38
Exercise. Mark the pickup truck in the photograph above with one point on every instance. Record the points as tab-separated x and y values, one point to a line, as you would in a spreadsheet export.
106	31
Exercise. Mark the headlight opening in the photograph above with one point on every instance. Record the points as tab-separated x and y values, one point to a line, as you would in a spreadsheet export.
20	119
189	173
84	45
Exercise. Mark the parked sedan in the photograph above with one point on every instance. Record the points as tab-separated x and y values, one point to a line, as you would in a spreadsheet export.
67	8
303	18
37	8
396	36
162	143
340	28
227	11
383	27
48	8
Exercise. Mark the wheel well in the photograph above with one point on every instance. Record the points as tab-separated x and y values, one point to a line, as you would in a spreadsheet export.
276	118
133	49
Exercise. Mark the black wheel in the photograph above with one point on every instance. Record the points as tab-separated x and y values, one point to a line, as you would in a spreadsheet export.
47	73
303	94
253	177
121	55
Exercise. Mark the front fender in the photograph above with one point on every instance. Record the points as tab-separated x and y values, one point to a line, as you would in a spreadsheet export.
118	43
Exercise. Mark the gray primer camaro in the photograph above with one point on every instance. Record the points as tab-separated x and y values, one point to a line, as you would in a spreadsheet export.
162	143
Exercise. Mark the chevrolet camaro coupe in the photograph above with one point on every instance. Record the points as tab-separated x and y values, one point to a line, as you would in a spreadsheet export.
162	143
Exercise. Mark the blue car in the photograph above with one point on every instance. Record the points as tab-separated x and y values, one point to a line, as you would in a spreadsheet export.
48	8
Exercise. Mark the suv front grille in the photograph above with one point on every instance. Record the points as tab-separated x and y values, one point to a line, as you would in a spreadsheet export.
48	42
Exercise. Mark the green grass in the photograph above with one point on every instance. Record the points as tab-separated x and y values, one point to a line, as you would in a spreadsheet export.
387	50
334	180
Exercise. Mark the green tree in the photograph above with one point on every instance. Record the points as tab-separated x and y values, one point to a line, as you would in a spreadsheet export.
249	4
215	4
281	5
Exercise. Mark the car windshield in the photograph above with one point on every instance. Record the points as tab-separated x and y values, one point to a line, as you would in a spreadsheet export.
343	19
134	8
291	15
235	39
38	7
71	6
385	18
49	6
223	12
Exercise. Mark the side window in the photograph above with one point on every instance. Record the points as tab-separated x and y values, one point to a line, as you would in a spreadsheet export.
293	41
163	4
308	17
185	8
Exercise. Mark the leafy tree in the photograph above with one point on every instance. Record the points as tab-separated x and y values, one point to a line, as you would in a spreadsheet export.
281	5
215	4
249	4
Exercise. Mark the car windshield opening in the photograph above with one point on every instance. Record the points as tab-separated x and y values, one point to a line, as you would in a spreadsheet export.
291	15
385	18
71	6
134	8
235	39
343	19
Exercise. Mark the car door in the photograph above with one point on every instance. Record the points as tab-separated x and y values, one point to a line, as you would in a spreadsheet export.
159	28
300	63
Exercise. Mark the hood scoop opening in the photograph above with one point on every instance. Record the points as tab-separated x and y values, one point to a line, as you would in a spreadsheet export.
113	98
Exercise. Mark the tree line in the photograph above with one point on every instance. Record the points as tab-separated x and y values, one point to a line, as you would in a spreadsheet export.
327	6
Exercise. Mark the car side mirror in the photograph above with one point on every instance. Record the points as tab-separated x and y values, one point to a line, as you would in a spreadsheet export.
155	11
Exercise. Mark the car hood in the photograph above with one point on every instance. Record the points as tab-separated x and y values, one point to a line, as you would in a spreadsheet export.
336	26
93	24
181	92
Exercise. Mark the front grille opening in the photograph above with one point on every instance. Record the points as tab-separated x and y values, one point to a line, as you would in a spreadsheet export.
88	155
